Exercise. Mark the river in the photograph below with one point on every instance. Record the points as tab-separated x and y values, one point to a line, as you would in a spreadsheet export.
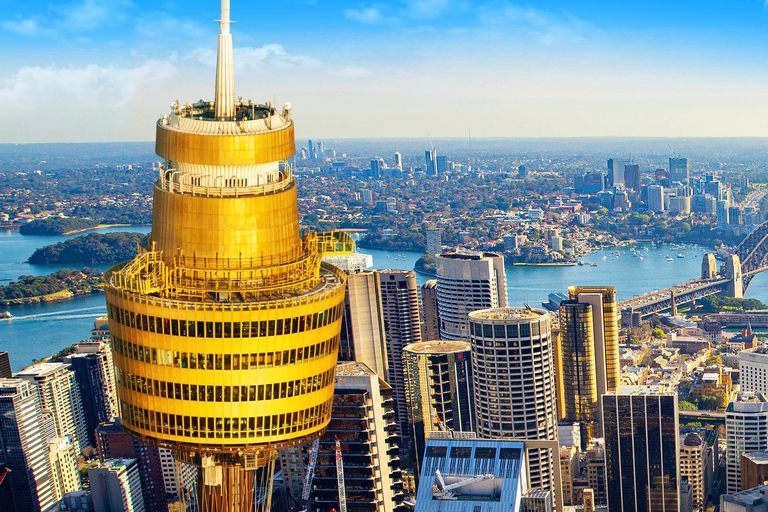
39	330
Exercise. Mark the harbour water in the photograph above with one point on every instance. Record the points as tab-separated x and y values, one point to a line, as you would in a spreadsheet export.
38	330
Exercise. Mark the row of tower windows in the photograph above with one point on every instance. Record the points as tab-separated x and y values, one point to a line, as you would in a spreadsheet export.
199	393
224	428
507	331
208	361
194	329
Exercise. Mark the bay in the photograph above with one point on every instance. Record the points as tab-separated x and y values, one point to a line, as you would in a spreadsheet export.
39	330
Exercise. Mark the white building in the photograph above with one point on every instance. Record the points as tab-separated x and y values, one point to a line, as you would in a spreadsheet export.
116	486
63	457
58	392
467	282
753	370
656	198
746	430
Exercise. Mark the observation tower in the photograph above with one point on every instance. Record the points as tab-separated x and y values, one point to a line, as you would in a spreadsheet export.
225	327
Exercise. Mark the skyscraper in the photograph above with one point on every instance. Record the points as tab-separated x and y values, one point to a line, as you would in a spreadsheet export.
616	170
24	450
438	389
363	412
59	393
746	430
514	384
632	178
678	170
398	161
362	327
434	241
588	356
115	485
656	198
641	449
63	457
430	158
5	366
402	324
225	327
430	324
377	168
466	282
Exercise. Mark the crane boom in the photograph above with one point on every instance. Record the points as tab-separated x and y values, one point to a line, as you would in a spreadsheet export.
313	450
340	478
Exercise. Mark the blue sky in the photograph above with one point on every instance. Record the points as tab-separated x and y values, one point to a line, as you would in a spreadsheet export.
91	70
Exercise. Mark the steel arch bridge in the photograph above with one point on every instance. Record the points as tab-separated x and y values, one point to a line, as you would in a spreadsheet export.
753	253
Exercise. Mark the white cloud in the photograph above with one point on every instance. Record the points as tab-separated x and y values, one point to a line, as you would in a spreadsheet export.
351	72
91	14
367	15
249	58
545	27
23	27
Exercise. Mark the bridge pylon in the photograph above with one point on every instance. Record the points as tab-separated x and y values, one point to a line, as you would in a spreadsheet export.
735	287
709	266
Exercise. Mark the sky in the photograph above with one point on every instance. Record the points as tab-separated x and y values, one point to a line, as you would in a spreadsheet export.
105	70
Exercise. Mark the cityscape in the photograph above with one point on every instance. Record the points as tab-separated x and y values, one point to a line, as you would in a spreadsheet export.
236	317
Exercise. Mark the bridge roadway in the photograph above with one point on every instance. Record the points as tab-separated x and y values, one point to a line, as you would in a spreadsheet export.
718	416
659	300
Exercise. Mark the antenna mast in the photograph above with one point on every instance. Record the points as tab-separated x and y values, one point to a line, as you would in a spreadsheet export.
224	101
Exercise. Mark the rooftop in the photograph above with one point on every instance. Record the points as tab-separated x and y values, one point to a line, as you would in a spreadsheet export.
641	390
468	255
757	457
438	347
353	369
41	370
508	314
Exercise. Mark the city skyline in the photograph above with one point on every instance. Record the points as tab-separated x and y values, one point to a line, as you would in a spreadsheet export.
544	68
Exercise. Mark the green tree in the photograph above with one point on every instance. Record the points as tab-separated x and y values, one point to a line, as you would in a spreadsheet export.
658	334
687	406
714	361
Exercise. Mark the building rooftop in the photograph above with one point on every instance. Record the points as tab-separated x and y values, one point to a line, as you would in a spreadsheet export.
41	370
439	347
507	314
353	369
467	255
757	457
641	390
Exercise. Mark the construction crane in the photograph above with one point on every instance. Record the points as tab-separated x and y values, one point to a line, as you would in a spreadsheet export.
440	424
340	478
450	491
313	450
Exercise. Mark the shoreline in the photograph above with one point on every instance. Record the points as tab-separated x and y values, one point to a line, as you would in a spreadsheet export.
100	226
61	296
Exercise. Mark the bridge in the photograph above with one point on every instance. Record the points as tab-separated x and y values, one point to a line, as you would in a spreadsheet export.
731	279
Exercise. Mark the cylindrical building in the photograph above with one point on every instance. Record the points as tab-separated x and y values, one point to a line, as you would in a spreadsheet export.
225	327
438	389
514	383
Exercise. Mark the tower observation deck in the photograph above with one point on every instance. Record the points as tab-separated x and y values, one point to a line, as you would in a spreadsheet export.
225	327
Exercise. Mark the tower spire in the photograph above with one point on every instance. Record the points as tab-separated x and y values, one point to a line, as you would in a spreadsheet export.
225	70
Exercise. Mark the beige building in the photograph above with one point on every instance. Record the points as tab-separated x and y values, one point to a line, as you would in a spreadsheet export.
754	469
430	323
63	456
595	467
695	465
569	469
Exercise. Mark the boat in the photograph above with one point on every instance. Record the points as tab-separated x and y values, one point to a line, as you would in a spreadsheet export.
670	259
592	264
680	255
5	315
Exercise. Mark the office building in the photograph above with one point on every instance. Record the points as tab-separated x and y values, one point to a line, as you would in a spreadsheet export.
632	179
434	241
94	374
77	501
377	168
430	323
594	456
114	443
678	170
490	474
656	198
5	366
750	500
569	469
430	158
398	161
616	170
568	432
754	469
641	449
116	487
63	460
226	261
466	282
513	379
438	389
588	355
402	325
697	466
746	431
24	448
362	325
59	393
363	413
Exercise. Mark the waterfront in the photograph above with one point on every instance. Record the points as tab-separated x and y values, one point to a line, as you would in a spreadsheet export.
38	330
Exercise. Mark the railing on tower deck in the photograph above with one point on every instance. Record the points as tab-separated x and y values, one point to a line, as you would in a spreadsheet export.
335	243
166	182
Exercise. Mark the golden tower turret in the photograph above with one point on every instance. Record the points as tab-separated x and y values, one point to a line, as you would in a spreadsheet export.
225	327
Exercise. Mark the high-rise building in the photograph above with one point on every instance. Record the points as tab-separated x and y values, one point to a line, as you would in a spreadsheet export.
569	469
402	325
377	168
632	178
362	326
616	170
5	366
754	469
697	466
24	449
6	492
438	389
398	161
430	323
513	379
678	170
656	198
115	486
430	158
490	473
114	443
225	328
466	282
363	412
588	355
746	431
434	241
442	164
594	456
641	449
94	374
66	477
59	393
